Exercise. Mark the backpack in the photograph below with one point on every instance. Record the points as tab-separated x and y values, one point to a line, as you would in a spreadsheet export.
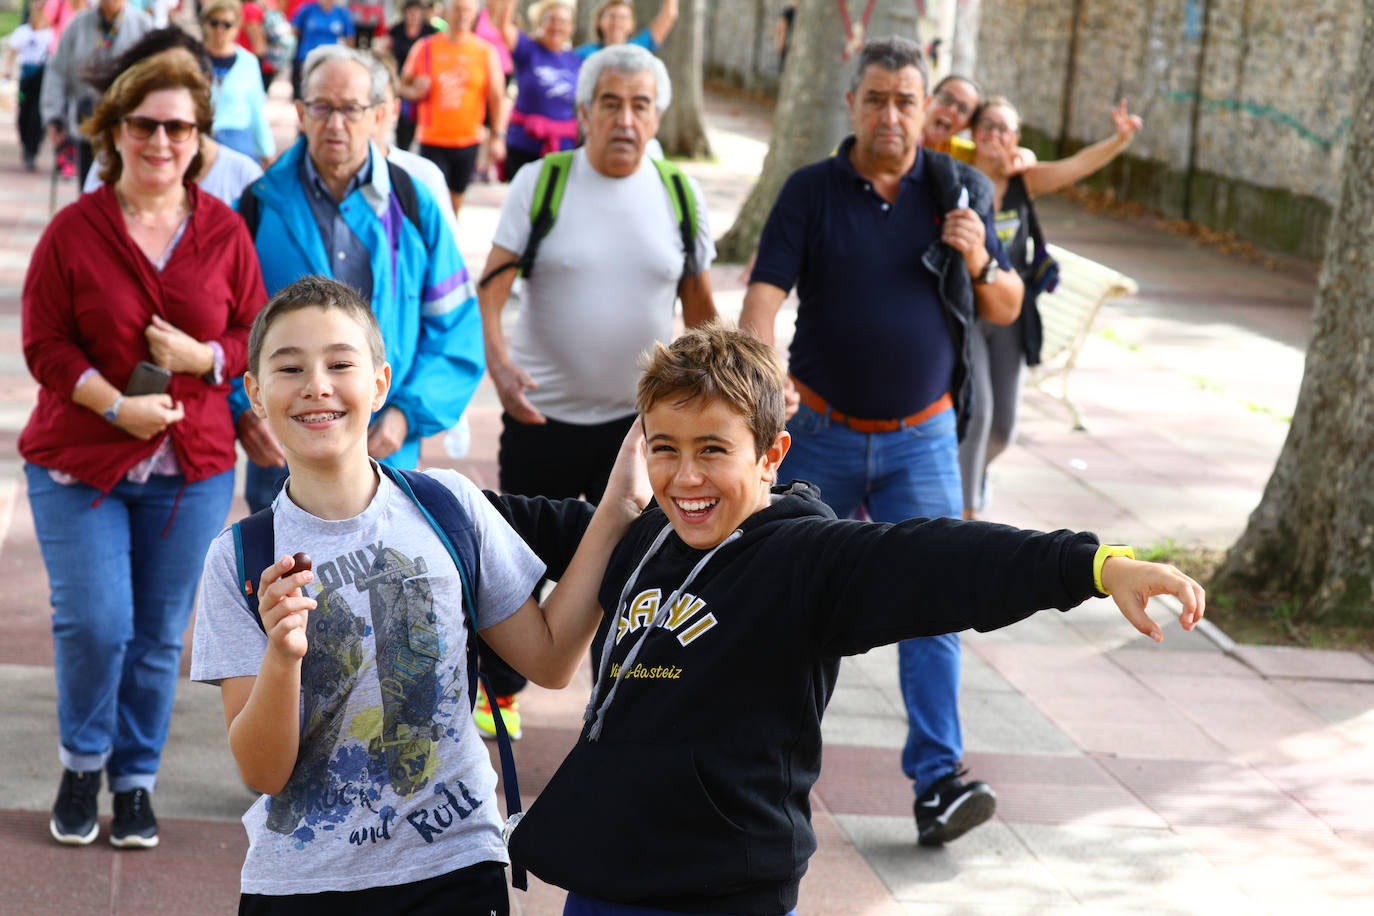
402	188
548	197
255	550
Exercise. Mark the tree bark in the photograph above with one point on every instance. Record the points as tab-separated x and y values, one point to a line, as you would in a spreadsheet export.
963	56
811	116
1311	538
683	130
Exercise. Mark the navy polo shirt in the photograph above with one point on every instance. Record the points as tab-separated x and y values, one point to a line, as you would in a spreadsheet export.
871	338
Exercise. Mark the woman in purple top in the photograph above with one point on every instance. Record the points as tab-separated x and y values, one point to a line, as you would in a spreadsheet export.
545	115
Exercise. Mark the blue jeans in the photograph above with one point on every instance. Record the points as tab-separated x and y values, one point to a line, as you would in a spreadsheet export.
123	571
910	473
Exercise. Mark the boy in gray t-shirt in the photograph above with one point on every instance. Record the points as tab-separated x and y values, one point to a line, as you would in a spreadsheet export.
350	712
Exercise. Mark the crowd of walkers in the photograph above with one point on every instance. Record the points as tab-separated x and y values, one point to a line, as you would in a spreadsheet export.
330	325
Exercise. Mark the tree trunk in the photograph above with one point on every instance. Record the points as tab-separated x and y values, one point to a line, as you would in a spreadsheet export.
683	131
963	56
1312	536
811	116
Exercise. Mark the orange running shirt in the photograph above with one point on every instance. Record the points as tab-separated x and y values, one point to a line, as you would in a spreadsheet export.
456	107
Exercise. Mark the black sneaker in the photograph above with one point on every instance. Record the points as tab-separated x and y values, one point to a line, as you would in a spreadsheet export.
951	808
134	826
74	813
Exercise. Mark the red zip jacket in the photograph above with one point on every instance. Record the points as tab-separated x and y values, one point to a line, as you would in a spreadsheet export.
88	296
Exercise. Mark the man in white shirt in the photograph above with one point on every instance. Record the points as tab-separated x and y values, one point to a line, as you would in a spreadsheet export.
600	293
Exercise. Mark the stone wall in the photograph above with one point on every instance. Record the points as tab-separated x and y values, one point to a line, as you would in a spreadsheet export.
1246	102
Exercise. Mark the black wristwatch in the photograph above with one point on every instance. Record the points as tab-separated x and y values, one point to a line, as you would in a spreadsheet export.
990	271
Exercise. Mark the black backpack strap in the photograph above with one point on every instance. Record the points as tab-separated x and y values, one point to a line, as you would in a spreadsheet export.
254	546
552	180
248	209
403	187
455	529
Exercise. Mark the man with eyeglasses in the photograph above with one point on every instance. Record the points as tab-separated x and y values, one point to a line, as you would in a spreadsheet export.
894	255
94	37
332	206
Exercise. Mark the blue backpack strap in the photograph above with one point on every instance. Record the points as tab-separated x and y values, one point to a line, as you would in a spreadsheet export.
254	543
455	529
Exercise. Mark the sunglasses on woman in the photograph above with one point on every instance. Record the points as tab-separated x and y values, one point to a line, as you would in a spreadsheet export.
143	128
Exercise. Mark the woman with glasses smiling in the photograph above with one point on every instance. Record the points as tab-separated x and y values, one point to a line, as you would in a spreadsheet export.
136	310
240	102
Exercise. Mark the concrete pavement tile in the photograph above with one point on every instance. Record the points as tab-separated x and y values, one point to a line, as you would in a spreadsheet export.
1317	664
1333	701
1118	869
1211	794
1202	658
1250	727
1059	790
1005	722
1166	738
839	879
1049	671
1290	872
195	869
1335	783
986	869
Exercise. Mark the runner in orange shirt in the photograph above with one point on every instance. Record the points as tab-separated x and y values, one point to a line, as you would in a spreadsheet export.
455	78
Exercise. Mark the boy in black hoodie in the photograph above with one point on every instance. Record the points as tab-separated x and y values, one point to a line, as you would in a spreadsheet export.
729	606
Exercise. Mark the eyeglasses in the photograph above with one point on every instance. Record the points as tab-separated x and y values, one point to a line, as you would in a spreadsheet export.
945	97
220	24
994	127
323	111
143	128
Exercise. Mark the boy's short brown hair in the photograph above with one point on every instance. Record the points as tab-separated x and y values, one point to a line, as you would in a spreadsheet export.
315	292
722	362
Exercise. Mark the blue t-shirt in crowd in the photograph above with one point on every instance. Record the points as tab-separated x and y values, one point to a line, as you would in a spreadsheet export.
316	27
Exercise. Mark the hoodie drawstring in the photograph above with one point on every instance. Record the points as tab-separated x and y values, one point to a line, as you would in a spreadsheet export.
597	714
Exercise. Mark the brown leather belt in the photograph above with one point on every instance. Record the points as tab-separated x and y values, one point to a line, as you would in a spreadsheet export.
860	425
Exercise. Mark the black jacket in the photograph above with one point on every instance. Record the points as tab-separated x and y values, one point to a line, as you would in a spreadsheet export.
696	796
947	177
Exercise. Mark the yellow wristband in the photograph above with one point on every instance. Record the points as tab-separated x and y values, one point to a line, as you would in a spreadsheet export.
1103	552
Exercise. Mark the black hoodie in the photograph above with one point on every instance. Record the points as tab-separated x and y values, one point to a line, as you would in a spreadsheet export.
695	796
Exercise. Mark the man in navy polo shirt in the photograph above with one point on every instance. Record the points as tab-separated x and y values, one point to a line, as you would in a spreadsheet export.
893	253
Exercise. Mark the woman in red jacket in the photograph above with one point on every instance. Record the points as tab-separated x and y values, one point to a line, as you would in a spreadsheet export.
136	310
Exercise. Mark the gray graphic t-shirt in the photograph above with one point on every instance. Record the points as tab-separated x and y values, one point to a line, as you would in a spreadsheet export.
393	783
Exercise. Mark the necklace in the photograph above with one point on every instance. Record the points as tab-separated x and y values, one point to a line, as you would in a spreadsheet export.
152	219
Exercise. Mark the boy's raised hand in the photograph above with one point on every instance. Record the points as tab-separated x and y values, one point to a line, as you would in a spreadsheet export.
629	481
1132	583
284	607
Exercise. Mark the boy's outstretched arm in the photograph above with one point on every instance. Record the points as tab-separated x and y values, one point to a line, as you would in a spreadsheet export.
263	712
545	644
1132	583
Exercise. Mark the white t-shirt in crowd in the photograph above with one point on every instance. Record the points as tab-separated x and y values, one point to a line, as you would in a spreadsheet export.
393	783
602	289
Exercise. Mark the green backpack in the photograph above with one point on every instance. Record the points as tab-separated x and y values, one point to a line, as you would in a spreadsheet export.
548	197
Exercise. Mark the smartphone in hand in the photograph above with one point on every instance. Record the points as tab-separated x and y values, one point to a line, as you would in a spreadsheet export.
148	378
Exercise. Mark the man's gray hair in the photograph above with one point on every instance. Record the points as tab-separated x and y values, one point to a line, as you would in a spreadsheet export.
891	54
627	60
377	76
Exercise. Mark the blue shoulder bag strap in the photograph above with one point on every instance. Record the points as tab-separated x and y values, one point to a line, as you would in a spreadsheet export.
454	527
254	544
